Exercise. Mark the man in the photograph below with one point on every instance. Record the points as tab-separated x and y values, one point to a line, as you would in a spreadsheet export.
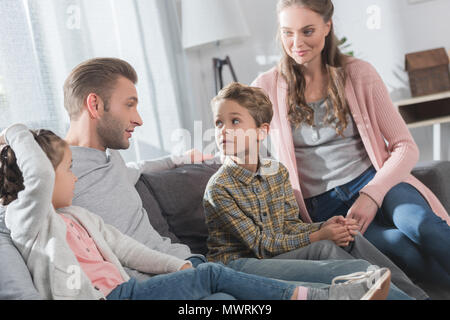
101	99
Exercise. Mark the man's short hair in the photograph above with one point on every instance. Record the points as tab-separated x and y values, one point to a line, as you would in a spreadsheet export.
97	76
255	100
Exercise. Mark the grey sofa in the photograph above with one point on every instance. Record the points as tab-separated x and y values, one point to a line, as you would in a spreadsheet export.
173	200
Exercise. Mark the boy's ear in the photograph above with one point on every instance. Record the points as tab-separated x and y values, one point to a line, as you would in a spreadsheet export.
263	131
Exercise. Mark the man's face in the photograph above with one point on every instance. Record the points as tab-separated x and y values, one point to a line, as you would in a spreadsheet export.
116	125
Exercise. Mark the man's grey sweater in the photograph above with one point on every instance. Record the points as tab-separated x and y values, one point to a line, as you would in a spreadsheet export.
106	187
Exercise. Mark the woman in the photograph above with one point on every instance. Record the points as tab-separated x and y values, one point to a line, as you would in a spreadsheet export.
332	119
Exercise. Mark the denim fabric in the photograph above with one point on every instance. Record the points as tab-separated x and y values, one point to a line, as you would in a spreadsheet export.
405	228
310	267
196	260
206	279
209	278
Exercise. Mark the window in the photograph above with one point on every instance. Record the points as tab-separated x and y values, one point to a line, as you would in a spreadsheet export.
42	40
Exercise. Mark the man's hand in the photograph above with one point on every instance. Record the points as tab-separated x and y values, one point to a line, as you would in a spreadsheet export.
363	211
195	156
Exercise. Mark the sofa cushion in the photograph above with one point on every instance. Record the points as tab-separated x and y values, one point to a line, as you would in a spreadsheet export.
179	193
157	220
15	279
434	174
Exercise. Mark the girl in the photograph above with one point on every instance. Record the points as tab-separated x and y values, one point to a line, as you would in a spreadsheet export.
72	254
333	115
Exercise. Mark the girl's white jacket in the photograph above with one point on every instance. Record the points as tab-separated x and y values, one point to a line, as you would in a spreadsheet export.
39	233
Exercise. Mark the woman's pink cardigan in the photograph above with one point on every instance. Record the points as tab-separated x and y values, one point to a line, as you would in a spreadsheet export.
377	120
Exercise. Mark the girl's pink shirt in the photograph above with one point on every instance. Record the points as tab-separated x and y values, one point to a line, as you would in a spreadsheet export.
383	131
103	274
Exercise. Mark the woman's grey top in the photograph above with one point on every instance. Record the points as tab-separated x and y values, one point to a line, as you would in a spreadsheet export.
325	159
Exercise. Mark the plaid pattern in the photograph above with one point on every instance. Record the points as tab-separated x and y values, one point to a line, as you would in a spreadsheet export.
253	215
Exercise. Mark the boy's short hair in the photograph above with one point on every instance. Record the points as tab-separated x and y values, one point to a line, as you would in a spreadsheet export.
99	76
255	100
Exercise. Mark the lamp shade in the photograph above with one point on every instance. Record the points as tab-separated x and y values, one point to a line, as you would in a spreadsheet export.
206	21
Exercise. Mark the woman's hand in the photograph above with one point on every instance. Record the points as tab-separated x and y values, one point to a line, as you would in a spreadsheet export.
352	226
363	211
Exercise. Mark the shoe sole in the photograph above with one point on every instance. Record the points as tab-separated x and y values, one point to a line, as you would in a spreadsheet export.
380	289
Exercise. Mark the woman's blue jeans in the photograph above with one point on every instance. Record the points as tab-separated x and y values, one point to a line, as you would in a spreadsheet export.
206	279
405	228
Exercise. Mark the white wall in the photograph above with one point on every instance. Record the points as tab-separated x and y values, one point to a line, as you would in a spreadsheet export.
403	28
260	17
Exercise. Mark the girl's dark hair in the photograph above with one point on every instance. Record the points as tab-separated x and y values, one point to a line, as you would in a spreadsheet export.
11	178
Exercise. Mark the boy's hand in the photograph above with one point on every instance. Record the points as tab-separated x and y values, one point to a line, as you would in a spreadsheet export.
351	224
336	219
335	232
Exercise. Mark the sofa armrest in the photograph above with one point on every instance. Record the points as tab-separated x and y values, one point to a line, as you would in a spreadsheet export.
150	204
434	174
15	279
179	193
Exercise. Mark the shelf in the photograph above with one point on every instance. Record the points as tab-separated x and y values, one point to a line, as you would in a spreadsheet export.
431	110
430	122
431	97
425	111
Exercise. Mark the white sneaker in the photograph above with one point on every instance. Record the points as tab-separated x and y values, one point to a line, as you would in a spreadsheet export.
370	285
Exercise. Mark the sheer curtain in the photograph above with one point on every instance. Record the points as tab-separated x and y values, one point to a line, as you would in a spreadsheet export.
42	40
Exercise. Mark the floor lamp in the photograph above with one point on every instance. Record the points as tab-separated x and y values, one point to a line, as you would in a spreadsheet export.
218	65
213	21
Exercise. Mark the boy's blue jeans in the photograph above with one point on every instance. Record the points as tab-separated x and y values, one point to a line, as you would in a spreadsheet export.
405	228
311	272
203	281
308	273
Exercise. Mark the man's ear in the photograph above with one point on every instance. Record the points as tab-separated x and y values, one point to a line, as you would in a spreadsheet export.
94	106
263	131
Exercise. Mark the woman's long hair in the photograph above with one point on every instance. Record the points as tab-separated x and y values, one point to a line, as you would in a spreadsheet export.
334	61
11	178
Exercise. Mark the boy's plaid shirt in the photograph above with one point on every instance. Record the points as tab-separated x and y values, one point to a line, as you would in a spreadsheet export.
253	215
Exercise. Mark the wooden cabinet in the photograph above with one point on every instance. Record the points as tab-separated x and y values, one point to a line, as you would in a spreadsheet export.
432	110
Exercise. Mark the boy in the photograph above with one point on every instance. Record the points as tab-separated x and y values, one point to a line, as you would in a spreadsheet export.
251	211
250	207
